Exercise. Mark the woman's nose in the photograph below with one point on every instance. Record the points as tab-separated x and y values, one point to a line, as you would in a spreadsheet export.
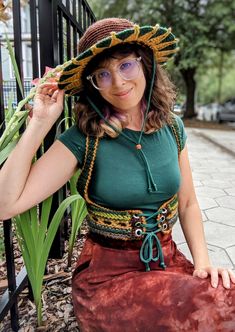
117	80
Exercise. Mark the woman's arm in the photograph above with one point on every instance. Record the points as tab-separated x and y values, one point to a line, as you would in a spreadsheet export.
192	226
22	185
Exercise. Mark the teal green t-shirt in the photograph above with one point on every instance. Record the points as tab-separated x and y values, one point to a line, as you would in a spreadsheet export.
119	177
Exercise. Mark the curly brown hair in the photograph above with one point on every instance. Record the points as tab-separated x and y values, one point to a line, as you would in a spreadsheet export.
162	100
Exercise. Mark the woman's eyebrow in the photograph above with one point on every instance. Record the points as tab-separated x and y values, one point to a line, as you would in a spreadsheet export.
107	65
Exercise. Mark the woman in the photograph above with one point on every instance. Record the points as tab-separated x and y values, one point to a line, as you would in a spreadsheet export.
135	178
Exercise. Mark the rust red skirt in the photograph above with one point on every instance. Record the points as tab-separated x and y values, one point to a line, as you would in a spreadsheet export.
112	292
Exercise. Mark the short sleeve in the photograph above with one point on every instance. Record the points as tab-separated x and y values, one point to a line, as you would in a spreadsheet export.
183	135
75	141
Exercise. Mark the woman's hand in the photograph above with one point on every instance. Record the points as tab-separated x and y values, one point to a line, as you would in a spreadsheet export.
227	275
48	102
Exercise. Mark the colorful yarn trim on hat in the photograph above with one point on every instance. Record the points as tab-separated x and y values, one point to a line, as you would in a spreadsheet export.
107	33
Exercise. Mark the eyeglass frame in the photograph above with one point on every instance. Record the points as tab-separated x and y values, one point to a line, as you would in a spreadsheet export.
90	77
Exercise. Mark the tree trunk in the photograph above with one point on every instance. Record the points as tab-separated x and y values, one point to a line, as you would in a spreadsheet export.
189	79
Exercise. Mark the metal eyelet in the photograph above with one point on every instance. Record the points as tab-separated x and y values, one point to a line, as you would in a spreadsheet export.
164	210
136	217
164	227
138	232
162	218
138	224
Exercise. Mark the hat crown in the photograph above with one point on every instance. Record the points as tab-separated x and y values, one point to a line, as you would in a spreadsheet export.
102	29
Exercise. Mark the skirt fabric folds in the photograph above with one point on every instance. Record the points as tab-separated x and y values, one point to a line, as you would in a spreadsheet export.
112	292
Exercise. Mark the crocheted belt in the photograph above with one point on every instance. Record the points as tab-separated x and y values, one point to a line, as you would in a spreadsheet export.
136	225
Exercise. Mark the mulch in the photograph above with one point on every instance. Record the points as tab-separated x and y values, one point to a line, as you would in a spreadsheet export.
56	296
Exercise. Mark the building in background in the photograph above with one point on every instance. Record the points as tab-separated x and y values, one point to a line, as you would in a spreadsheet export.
9	84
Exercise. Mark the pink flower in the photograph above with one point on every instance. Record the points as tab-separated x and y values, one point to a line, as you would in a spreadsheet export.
50	75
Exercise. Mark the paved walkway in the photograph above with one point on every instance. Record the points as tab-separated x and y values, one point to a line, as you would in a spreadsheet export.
214	179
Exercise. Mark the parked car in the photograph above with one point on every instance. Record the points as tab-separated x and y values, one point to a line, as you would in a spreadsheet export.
228	111
178	110
209	112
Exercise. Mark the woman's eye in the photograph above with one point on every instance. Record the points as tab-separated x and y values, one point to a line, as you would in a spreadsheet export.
102	75
126	65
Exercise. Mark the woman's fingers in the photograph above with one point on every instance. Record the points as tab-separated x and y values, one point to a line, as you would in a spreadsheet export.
214	276
226	275
231	275
200	273
47	89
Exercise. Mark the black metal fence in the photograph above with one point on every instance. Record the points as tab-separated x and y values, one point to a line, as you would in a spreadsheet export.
9	92
55	28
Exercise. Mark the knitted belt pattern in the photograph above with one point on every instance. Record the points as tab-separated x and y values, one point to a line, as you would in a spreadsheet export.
131	224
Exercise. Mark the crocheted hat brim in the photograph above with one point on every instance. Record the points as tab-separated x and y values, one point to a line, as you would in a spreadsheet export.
159	39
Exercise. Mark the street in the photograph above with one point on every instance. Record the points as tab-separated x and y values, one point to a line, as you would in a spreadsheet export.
213	167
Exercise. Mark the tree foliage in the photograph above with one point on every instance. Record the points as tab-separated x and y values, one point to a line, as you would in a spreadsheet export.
201	25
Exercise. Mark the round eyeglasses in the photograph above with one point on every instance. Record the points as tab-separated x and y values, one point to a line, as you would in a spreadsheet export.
128	70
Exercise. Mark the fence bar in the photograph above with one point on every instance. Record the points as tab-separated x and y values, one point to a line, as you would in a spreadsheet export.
48	53
34	37
8	240
18	43
9	298
2	113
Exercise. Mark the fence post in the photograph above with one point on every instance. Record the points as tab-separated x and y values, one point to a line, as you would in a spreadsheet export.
11	272
49	57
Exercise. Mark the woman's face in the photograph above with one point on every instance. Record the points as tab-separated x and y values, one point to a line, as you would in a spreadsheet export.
124	95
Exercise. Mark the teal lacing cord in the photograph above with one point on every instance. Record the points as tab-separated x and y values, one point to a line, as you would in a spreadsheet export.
152	187
146	250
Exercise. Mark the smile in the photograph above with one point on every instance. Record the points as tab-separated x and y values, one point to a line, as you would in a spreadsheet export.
123	93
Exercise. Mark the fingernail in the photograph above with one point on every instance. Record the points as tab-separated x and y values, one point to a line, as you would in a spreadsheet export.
227	286
214	285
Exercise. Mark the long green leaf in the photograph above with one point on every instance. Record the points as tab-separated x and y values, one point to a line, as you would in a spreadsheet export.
29	243
7	150
58	127
14	64
52	231
45	213
10	109
12	130
34	223
18	221
77	218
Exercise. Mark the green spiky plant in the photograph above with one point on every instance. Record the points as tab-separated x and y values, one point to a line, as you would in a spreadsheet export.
35	236
34	231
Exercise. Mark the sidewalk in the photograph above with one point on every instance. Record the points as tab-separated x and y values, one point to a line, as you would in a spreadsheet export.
213	170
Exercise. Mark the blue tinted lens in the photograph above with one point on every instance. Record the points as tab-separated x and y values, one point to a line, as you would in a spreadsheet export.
102	78
129	69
